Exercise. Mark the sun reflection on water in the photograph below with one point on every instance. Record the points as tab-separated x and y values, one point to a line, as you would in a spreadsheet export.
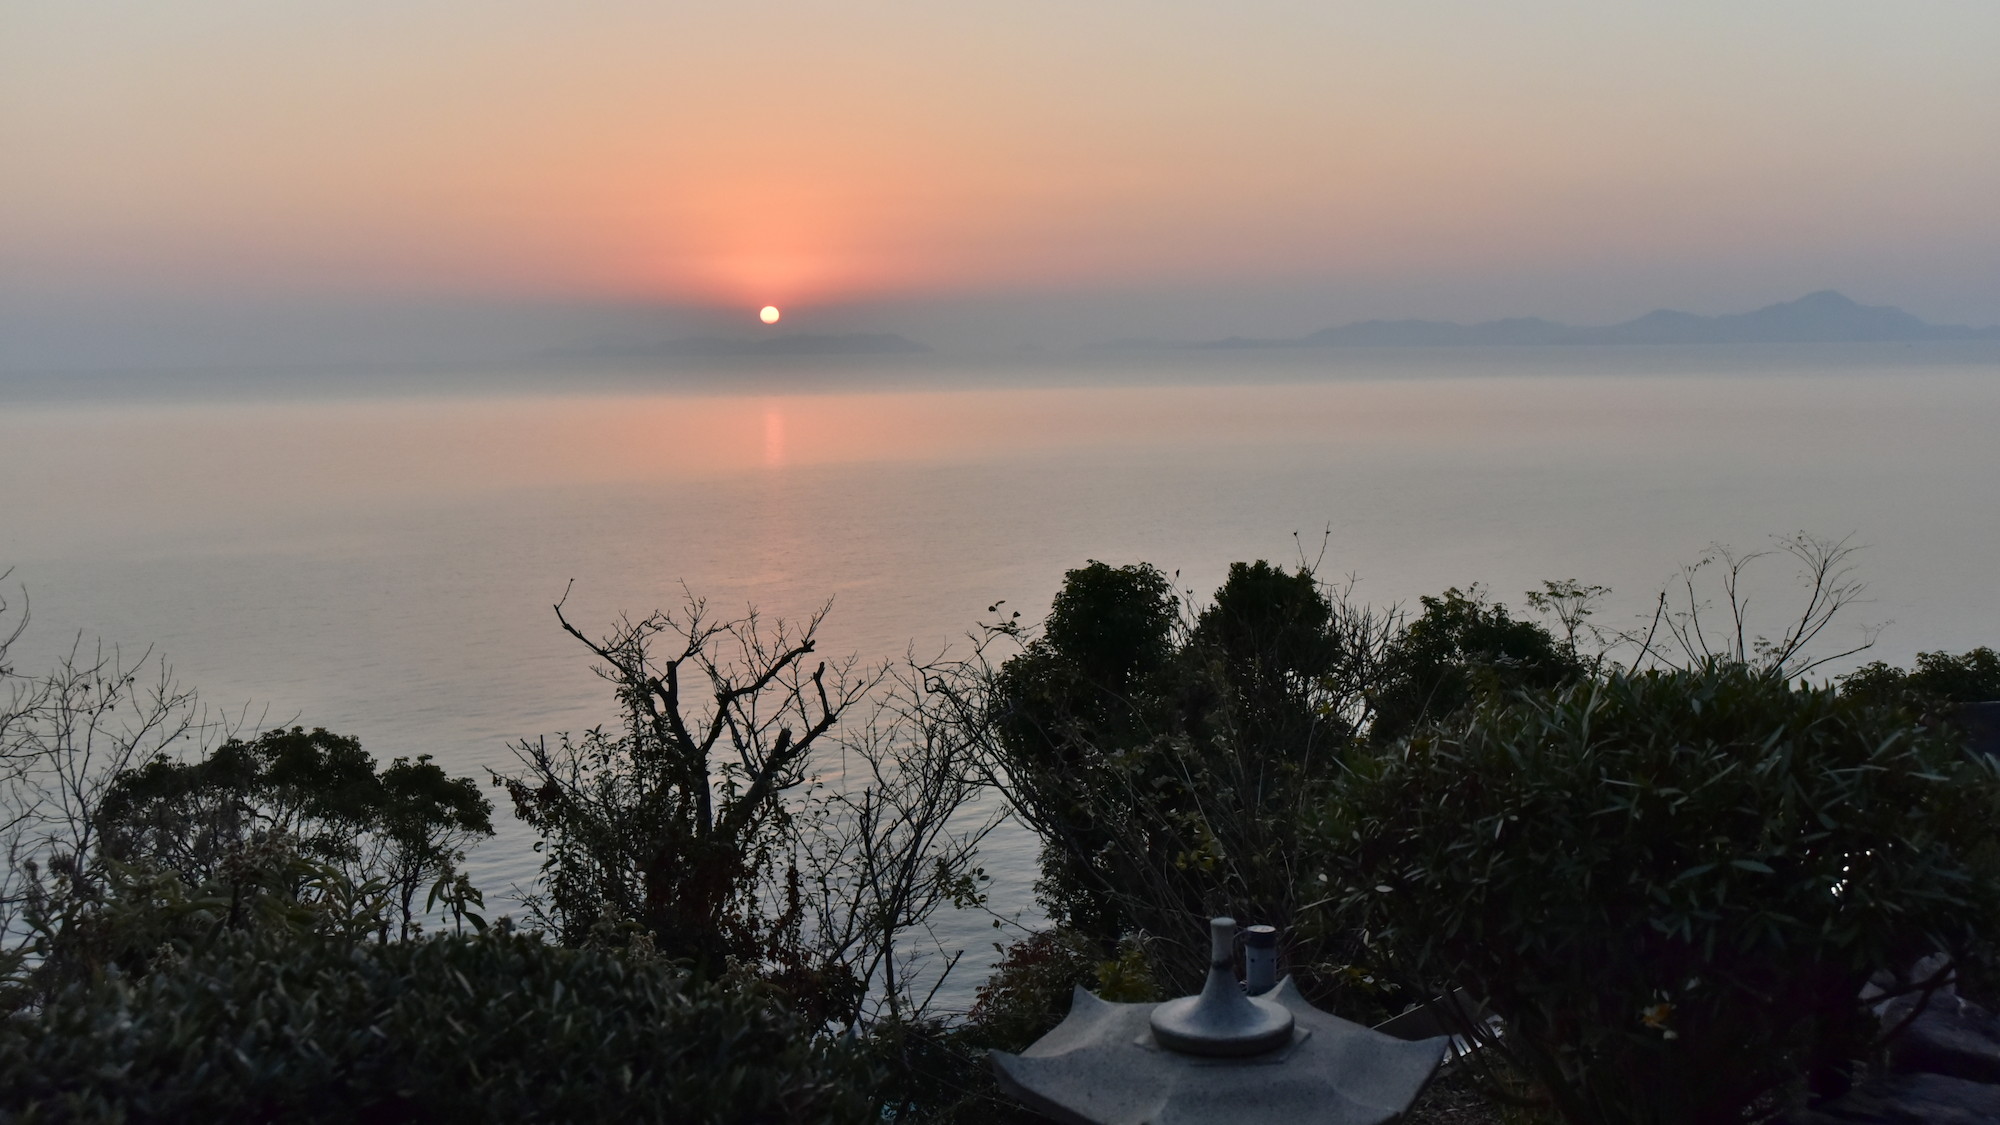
774	436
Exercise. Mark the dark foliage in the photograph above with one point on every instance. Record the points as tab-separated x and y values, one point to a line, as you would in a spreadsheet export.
1272	636
1066	705
1939	678
1035	978
1030	988
315	793
1460	646
1166	761
932	1071
490	1028
700	822
1671	885
677	820
1112	628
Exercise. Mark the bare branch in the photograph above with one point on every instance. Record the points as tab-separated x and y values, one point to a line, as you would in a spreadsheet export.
1824	585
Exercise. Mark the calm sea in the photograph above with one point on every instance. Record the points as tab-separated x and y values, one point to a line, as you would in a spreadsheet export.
378	553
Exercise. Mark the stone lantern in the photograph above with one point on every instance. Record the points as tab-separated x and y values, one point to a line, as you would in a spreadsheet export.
1219	1056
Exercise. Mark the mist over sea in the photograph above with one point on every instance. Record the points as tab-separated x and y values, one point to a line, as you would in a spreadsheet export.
377	552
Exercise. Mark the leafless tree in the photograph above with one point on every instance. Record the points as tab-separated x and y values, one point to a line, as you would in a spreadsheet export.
667	821
64	735
895	839
745	816
20	698
1572	604
1712	609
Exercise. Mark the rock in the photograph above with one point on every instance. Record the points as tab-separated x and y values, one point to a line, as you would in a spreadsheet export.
1945	1068
1934	972
1908	1099
1952	1036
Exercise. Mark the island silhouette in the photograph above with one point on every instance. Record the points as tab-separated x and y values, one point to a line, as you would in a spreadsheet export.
718	347
1825	317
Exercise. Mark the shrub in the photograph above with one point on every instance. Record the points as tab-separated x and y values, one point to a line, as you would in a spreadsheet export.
135	915
677	817
497	1027
315	794
1939	678
293	831
1033	982
1167	754
929	1070
1670	885
1070	713
1460	646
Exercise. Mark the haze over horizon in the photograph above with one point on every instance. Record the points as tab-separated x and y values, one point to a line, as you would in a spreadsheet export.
222	181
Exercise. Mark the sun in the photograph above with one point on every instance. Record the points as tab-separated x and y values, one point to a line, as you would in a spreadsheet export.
769	314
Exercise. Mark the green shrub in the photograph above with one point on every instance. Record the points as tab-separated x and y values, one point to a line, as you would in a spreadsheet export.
1035	978
933	1073
1074	714
1939	678
294	831
1670	885
135	915
930	1071
1167	755
1462	645
490	1028
314	794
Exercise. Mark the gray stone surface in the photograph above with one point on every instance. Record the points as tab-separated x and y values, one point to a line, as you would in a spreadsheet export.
1950	1036
1945	1068
1909	1099
1101	1066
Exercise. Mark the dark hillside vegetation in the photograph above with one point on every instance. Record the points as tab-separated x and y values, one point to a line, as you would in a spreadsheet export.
1671	885
1661	858
497	1027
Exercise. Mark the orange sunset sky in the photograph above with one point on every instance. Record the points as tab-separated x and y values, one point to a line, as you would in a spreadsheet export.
1018	171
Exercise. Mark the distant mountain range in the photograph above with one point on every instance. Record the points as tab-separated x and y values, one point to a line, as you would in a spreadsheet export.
1816	318
786	344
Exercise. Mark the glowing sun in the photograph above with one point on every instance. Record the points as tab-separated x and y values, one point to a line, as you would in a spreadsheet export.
769	314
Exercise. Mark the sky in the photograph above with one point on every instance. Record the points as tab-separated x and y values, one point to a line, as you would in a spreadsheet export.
973	174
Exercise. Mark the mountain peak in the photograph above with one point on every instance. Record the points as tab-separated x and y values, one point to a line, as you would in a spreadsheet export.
1824	316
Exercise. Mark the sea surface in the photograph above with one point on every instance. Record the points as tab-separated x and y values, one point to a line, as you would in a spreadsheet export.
378	552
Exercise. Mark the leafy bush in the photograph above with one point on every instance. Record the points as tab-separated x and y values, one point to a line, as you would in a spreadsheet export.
1938	678
293	831
313	794
1167	756
1033	982
1063	710
1459	646
1670	885
933	1071
490	1028
136	914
